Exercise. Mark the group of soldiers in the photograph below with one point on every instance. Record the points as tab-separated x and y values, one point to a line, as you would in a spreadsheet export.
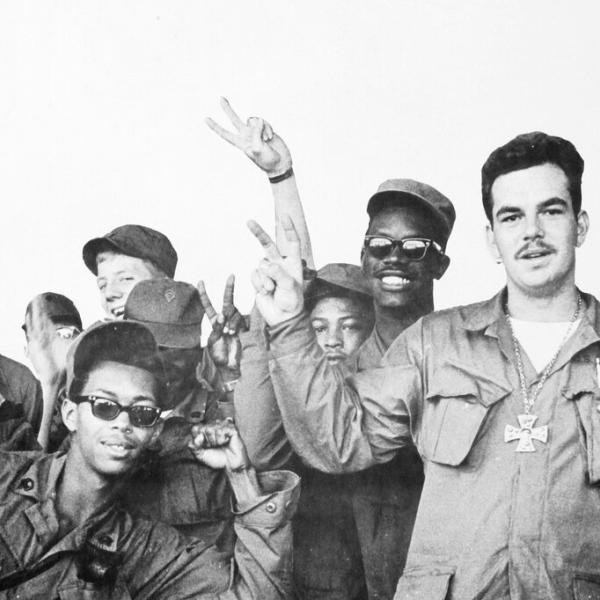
343	441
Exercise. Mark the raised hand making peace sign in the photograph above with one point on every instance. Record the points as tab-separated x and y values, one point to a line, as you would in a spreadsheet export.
278	279
224	343
256	139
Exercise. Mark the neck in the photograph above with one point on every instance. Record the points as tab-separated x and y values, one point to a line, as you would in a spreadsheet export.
390	322
81	492
558	306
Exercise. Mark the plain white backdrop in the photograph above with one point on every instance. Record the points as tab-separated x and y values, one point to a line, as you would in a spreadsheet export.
102	109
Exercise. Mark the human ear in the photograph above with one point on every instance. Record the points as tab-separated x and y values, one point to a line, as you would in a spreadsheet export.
69	414
491	243
443	263
583	225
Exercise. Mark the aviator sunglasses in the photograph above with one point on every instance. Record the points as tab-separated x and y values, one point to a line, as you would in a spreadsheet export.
380	246
108	410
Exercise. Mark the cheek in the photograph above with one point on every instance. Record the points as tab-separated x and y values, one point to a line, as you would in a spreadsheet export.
353	340
321	337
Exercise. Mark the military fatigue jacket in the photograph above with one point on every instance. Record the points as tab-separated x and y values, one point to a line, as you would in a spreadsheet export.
492	522
351	529
115	556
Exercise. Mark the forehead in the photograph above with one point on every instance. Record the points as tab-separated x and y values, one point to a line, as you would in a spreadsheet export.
118	379
335	307
402	221
110	262
529	187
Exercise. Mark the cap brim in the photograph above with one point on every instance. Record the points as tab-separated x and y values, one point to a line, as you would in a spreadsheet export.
321	288
175	335
93	248
126	342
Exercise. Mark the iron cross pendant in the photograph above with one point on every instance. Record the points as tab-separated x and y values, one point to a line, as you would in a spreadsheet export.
526	433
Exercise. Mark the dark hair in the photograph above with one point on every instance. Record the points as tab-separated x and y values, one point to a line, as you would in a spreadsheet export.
529	150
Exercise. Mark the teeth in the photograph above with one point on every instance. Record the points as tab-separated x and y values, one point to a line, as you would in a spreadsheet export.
394	280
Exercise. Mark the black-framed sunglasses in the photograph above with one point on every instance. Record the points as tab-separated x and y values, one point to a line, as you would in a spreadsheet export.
108	410
380	246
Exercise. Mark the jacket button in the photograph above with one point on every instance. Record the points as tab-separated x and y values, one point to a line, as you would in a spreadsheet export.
271	507
26	484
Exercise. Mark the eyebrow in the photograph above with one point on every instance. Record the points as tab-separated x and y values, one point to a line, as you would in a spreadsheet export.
541	205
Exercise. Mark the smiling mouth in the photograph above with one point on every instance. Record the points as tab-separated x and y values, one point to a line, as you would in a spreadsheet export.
118	312
120	449
394	282
533	254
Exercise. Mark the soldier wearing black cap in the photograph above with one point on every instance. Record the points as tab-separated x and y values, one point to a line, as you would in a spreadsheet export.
65	532
124	256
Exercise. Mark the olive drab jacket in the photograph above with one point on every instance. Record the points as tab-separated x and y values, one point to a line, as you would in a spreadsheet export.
352	530
116	556
493	523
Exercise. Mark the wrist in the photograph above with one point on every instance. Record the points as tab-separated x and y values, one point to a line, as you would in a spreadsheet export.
280	175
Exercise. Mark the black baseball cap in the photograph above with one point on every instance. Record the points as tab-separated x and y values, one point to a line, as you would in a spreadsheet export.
124	342
133	240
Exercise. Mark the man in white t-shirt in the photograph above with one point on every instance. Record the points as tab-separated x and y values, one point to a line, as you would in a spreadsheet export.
502	398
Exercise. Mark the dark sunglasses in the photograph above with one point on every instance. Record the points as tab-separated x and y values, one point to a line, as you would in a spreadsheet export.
108	410
380	246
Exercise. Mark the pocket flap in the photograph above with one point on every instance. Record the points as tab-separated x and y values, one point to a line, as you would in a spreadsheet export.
453	379
586	586
424	585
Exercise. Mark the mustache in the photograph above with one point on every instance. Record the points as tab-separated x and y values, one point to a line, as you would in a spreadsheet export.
536	247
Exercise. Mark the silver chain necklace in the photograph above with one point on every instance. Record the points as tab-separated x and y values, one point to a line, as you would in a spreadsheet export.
526	432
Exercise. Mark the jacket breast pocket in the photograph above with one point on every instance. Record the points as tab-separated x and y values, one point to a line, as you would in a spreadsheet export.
457	403
582	388
418	584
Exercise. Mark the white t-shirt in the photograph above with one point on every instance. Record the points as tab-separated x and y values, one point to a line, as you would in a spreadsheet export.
541	340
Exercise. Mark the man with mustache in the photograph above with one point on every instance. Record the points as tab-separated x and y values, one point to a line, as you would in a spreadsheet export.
403	254
501	398
64	532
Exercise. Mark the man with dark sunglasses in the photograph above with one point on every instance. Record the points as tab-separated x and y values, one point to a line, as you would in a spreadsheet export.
65	533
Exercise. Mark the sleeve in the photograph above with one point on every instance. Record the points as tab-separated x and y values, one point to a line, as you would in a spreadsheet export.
257	414
340	421
261	568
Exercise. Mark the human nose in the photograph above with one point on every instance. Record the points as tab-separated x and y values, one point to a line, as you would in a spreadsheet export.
112	291
122	422
334	338
533	227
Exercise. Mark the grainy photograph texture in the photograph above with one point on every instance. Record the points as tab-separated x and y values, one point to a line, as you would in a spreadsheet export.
300	300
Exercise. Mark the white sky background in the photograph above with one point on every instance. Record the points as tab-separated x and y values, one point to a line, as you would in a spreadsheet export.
102	108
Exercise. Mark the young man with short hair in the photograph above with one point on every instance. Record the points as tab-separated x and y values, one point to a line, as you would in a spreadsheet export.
500	398
124	256
63	529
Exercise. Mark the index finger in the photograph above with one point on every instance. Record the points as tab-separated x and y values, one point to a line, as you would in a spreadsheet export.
265	240
211	313
228	295
228	136
237	122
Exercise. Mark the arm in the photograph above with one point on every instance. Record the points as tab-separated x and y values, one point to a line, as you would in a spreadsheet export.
256	410
335	421
48	355
269	152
